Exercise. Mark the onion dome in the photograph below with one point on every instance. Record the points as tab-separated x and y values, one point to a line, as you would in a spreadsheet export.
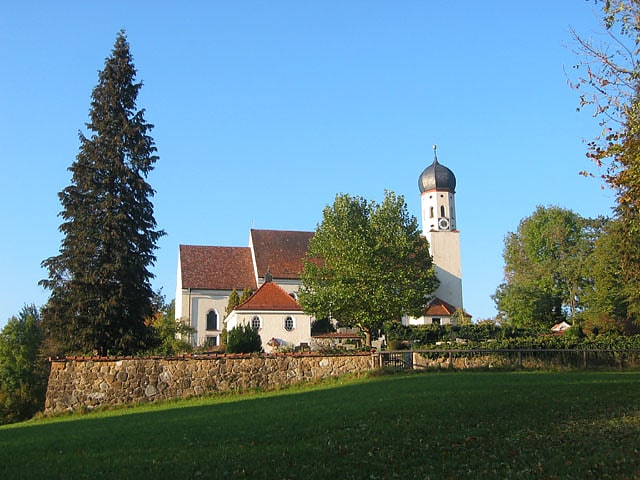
437	177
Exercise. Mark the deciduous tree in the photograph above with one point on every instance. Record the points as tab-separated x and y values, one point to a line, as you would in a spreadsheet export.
23	371
546	270
101	295
609	82
169	334
608	300
367	263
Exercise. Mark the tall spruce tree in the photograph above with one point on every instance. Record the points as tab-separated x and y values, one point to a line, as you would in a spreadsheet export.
100	283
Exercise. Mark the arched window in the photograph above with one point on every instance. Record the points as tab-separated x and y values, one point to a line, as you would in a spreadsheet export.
212	320
256	322
430	212
442	211
289	324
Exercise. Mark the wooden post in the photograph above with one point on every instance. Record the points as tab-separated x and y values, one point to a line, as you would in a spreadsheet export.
520	359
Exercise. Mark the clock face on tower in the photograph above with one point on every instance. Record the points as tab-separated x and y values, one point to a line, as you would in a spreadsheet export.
443	224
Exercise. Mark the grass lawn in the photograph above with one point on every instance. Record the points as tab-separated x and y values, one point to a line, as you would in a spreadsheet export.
493	425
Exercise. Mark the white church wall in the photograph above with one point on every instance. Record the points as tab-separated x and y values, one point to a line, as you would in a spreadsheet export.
178	298
434	204
196	305
445	248
415	321
272	325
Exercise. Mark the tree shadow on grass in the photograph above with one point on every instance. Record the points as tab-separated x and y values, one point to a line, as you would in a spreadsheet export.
492	424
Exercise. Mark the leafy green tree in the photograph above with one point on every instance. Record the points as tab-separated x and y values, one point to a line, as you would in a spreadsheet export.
169	333
546	272
23	371
243	339
100	282
367	263
609	83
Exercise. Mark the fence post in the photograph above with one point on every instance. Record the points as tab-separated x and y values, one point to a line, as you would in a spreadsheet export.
450	359
584	359
520	359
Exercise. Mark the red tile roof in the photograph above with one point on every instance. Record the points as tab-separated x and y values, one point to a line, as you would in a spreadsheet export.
560	327
216	268
270	297
280	251
439	308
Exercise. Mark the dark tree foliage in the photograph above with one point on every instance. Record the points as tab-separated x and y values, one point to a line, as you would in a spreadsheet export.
609	301
101	295
23	371
322	325
243	339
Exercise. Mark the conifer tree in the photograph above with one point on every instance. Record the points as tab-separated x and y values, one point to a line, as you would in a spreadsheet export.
233	302
101	295
246	293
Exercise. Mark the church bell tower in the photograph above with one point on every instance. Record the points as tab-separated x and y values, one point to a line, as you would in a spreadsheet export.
437	186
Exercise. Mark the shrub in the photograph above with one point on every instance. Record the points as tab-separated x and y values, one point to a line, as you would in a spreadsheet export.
243	339
322	325
395	344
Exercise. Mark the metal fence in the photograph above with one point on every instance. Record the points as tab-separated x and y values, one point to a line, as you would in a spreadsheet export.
396	359
516	358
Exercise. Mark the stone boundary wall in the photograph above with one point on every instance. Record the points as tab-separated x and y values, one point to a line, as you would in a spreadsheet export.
86	383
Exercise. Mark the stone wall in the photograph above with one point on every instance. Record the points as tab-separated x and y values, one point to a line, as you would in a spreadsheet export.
77	383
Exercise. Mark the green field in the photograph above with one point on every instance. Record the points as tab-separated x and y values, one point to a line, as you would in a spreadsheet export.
493	425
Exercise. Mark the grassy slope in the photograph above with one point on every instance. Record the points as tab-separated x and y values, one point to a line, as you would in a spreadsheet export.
447	425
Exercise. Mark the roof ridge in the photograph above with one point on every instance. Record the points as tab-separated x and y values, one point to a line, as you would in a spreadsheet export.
282	301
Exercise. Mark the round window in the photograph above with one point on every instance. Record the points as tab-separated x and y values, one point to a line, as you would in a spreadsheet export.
288	324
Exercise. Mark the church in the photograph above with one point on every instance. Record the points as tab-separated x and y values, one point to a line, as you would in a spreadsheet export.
271	265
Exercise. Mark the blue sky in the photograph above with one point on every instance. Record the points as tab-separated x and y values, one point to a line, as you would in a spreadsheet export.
265	110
